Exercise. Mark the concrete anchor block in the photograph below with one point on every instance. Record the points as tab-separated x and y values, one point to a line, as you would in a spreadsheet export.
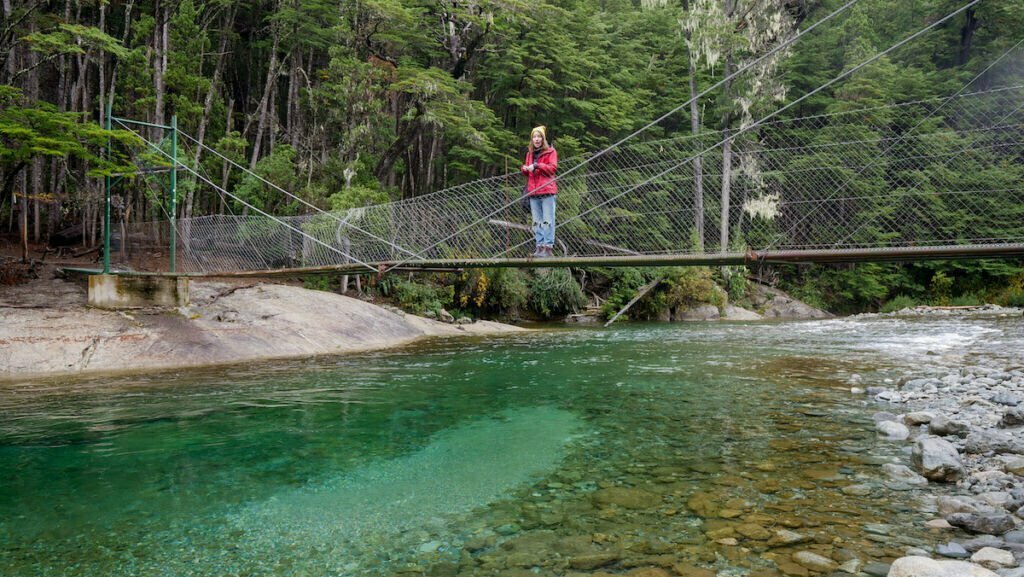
107	291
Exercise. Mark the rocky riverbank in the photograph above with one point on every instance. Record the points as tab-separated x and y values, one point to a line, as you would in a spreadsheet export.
46	328
963	431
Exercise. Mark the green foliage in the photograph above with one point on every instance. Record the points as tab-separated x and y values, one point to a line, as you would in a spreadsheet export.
70	38
941	289
32	129
968	299
734	279
418	298
319	282
849	288
278	168
624	284
898	303
1014	297
383	99
813	296
1013	294
497	291
689	286
554	292
356	197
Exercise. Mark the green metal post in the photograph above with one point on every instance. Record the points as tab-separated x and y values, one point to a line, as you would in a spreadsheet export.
174	189
106	204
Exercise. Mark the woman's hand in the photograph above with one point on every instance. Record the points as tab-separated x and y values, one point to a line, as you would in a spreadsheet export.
527	168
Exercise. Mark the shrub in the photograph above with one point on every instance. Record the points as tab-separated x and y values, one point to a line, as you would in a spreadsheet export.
419	298
738	284
500	290
554	292
898	303
624	284
318	282
1013	294
692	285
967	300
941	288
509	291
1014	297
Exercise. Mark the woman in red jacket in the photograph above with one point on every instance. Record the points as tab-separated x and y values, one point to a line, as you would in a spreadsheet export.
541	188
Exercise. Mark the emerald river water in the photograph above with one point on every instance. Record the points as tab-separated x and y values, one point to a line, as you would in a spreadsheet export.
545	453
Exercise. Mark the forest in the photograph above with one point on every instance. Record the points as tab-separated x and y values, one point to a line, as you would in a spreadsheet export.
360	102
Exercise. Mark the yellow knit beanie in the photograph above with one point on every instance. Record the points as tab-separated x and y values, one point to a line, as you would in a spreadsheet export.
543	134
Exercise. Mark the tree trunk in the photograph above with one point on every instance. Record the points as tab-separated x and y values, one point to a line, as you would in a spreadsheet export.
12	66
24	218
967	35
204	121
406	136
727	145
264	108
35	176
698	161
225	166
431	185
294	110
160	43
124	42
103	65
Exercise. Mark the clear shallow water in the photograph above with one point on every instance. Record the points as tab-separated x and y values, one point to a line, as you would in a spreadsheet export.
475	456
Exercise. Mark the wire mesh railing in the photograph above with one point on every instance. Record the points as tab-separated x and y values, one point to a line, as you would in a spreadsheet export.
929	173
959	182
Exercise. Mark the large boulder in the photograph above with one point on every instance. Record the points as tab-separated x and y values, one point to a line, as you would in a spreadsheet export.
735	313
776	304
701	312
1013	417
995	524
936	459
224	324
980	442
892	430
943	426
784	307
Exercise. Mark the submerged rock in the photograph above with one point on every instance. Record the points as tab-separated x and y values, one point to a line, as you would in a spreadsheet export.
815	562
626	497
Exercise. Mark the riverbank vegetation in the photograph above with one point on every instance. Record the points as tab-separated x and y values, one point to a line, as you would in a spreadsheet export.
511	294
353	103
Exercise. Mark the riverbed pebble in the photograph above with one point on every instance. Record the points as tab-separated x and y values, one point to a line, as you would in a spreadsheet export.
966	430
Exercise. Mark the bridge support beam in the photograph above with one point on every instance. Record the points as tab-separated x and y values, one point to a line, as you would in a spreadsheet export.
107	291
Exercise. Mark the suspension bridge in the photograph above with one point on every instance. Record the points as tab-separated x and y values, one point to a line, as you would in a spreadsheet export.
930	179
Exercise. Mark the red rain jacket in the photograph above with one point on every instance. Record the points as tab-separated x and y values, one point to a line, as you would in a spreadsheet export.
541	181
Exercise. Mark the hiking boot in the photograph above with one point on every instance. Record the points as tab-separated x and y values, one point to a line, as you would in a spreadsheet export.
538	252
549	251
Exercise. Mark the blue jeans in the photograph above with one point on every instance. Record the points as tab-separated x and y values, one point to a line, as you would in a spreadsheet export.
542	208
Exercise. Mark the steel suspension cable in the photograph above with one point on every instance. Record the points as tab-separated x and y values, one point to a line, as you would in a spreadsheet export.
896	141
918	185
750	127
614	146
295	197
270	216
